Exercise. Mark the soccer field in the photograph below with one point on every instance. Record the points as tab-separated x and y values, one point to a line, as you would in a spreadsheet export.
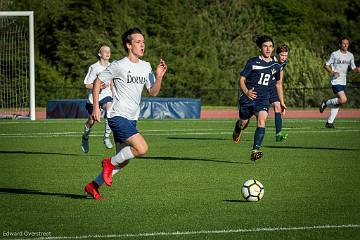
188	186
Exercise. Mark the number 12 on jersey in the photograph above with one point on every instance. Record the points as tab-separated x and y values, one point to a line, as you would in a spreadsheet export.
264	79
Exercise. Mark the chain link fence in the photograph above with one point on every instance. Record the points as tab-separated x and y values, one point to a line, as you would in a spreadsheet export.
294	97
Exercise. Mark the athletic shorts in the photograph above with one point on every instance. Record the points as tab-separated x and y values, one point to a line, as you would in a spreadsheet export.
338	88
122	128
249	107
90	107
274	97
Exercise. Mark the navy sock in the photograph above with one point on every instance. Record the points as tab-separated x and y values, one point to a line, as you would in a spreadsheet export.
237	128
258	137
278	122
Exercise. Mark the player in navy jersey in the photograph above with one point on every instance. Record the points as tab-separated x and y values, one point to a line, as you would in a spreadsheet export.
255	79
276	93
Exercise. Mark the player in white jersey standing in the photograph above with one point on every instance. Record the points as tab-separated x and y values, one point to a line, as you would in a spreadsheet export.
130	75
105	98
337	67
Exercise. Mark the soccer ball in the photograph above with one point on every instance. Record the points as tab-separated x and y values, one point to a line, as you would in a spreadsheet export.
252	190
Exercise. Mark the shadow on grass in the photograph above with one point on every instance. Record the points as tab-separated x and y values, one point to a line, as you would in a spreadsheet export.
314	148
37	192
198	138
204	138
236	201
43	153
191	159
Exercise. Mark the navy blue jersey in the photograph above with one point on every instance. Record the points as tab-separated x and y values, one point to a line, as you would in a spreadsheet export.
283	65
261	75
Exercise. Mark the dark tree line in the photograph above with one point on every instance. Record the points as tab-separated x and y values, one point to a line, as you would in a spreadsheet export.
205	43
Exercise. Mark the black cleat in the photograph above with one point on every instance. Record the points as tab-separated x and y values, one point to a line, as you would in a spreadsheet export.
322	106
256	154
329	125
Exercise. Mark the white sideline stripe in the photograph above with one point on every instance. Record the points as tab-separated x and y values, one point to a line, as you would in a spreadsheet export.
169	132
205	232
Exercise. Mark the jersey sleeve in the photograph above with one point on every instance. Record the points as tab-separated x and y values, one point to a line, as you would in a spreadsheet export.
247	70
331	59
352	62
90	76
108	74
150	79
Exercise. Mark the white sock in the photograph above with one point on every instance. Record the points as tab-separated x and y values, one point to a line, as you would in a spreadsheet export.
99	179
87	131
122	156
107	129
333	113
332	102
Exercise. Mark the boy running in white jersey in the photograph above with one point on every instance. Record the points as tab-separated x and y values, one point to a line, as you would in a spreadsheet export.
105	98
337	67
129	75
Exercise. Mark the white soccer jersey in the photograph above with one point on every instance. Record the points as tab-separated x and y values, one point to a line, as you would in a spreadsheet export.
129	80
339	63
92	74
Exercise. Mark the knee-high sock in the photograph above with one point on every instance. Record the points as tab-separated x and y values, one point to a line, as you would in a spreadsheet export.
122	156
99	179
333	102
278	122
333	113
258	137
107	129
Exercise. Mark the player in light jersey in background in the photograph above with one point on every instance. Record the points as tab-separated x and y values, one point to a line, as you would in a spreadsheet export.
276	93
105	98
129	75
337	67
255	79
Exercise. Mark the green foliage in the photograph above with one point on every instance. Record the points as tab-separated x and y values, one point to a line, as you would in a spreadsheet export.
205	43
304	72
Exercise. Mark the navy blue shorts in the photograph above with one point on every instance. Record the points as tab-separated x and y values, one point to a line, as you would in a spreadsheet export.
122	128
338	88
274	97
249	107
90	108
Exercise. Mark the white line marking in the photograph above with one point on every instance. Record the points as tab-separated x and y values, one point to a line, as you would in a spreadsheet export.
201	232
171	132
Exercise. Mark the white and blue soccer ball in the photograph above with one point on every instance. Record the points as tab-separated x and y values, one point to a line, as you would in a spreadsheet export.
252	190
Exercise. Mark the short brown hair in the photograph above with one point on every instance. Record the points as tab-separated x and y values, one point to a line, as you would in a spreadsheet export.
126	37
282	48
344	38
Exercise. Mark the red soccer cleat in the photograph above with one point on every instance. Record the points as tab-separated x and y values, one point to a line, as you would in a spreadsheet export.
107	171
92	190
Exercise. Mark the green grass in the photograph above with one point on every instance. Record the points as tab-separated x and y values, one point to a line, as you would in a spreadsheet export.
189	182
